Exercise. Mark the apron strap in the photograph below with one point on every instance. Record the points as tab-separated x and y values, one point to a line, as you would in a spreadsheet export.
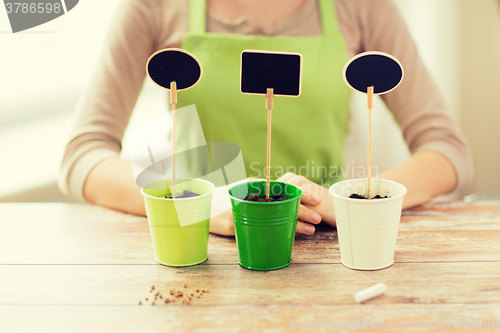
197	16
328	17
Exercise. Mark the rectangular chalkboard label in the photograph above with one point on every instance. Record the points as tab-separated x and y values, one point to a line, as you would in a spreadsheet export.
281	71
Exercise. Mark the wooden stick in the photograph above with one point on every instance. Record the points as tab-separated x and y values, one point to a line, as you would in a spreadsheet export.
269	106
370	107
173	101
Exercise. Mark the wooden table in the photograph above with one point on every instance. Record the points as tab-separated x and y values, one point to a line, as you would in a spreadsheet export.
79	268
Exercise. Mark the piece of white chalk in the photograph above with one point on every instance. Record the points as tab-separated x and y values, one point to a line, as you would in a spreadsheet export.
370	292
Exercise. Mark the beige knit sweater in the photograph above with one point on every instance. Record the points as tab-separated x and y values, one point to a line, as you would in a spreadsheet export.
143	26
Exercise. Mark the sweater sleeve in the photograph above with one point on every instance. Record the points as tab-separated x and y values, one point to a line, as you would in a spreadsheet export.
105	108
416	104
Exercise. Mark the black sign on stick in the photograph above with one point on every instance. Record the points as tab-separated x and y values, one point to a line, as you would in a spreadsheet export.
174	65
270	73
374	69
372	73
174	70
280	71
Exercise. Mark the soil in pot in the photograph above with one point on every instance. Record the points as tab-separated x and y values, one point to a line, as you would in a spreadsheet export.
359	196
256	198
185	194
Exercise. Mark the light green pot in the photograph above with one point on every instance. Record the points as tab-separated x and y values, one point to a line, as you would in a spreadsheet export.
179	227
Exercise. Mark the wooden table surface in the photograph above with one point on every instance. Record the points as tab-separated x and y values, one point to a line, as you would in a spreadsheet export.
81	268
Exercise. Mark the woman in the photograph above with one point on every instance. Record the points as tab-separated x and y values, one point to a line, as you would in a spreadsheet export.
310	128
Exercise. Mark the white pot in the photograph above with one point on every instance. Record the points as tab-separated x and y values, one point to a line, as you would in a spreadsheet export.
367	229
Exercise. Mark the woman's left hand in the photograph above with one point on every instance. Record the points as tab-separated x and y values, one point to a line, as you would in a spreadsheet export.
323	207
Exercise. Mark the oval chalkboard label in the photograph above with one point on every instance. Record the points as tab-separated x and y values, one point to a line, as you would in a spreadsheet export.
173	64
377	69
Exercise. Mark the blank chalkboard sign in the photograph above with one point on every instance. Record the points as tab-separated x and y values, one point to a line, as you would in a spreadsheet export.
372	73
175	70
374	69
280	71
174	65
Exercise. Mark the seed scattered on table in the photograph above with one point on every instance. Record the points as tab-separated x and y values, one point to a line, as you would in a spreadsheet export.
184	296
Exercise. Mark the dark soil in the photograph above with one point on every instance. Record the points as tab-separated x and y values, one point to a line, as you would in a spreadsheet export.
185	194
358	196
256	198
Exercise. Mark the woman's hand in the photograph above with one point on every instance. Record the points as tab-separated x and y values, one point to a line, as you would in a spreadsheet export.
316	204
221	221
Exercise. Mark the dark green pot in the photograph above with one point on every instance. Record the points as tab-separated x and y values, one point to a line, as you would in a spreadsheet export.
265	231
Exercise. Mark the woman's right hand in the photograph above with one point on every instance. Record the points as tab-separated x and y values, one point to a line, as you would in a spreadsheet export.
221	220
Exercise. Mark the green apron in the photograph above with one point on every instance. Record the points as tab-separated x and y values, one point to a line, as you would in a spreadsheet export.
307	131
